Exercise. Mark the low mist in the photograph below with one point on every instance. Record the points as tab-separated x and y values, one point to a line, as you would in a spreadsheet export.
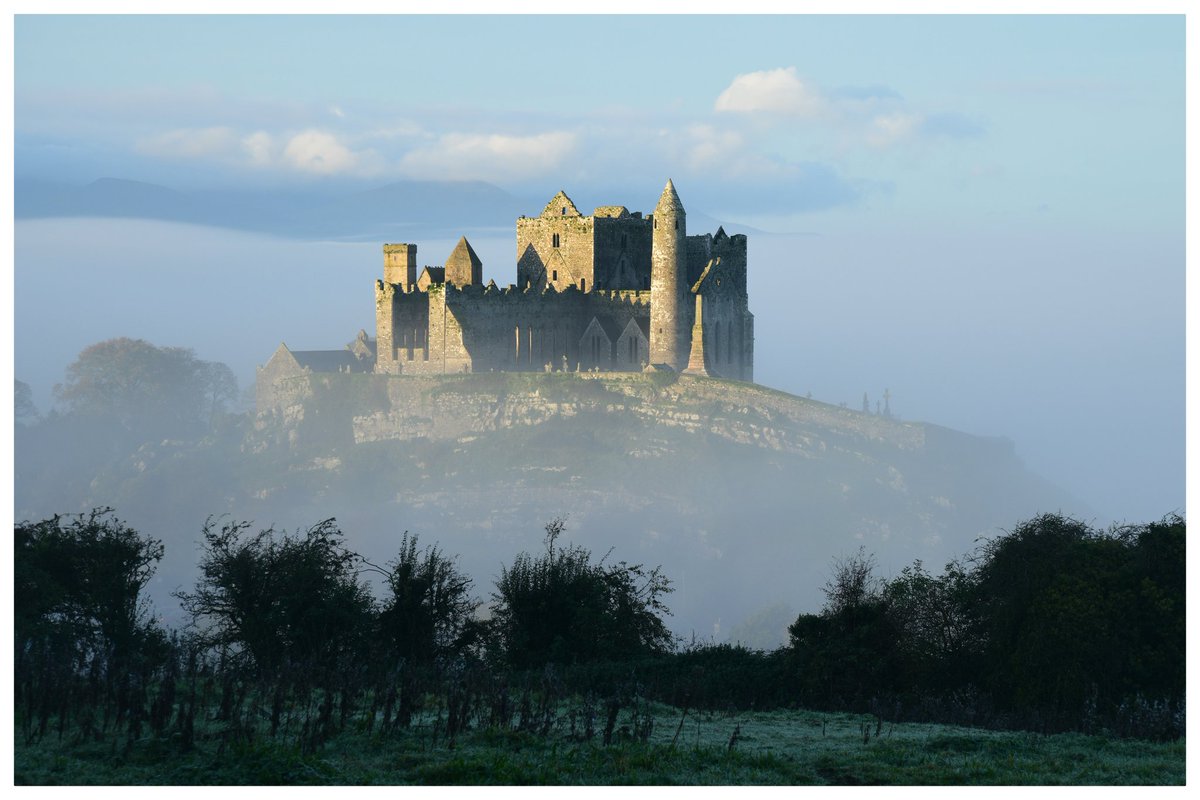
1070	350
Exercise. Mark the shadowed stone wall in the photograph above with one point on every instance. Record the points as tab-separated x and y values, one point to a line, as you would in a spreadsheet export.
576	275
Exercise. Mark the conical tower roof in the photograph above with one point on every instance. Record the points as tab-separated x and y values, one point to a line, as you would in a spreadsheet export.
669	199
463	257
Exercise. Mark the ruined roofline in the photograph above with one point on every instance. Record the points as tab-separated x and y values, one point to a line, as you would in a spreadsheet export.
560	206
631	296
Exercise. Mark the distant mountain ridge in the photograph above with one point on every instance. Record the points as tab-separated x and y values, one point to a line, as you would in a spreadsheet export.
308	214
384	213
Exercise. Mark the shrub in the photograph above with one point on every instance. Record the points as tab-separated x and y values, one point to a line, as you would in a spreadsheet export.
562	607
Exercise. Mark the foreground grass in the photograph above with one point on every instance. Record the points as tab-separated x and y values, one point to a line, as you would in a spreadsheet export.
779	747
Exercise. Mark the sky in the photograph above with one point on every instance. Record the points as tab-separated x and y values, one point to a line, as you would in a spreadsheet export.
984	214
790	123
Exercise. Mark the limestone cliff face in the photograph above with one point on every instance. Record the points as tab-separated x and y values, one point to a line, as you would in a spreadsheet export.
680	442
448	408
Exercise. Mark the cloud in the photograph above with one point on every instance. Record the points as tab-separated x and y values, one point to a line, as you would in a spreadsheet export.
952	126
399	129
311	152
259	148
709	147
490	156
875	92
190	143
778	91
888	129
791	187
726	153
319	153
874	114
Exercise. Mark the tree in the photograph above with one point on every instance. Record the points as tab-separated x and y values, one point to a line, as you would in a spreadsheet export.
561	607
853	584
938	633
429	611
80	580
1077	618
848	654
24	410
286	603
1155	572
220	388
1044	612
145	390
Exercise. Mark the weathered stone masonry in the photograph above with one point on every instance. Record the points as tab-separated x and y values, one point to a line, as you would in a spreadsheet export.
611	291
614	291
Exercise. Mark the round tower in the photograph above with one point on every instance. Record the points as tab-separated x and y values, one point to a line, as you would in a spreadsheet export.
668	282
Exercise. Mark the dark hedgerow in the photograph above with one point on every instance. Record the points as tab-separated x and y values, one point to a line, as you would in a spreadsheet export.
86	643
292	655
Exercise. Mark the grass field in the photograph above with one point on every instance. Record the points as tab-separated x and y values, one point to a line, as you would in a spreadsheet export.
778	747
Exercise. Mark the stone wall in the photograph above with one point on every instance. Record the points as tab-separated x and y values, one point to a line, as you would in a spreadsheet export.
480	329
622	252
728	336
705	247
280	383
402	328
568	264
614	267
400	264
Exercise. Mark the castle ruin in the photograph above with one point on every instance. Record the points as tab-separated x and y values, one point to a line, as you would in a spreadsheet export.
614	291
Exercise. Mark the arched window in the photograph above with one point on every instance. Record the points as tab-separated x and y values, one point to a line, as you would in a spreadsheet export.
554	240
583	284
564	212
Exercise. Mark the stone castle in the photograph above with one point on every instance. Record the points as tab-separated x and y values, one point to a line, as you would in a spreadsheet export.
614	291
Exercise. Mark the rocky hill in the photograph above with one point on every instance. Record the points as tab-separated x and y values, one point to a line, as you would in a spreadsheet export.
742	493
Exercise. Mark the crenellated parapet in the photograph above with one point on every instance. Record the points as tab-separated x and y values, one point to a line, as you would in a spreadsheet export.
616	290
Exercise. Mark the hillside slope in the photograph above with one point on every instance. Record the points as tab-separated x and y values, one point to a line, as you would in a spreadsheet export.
742	493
